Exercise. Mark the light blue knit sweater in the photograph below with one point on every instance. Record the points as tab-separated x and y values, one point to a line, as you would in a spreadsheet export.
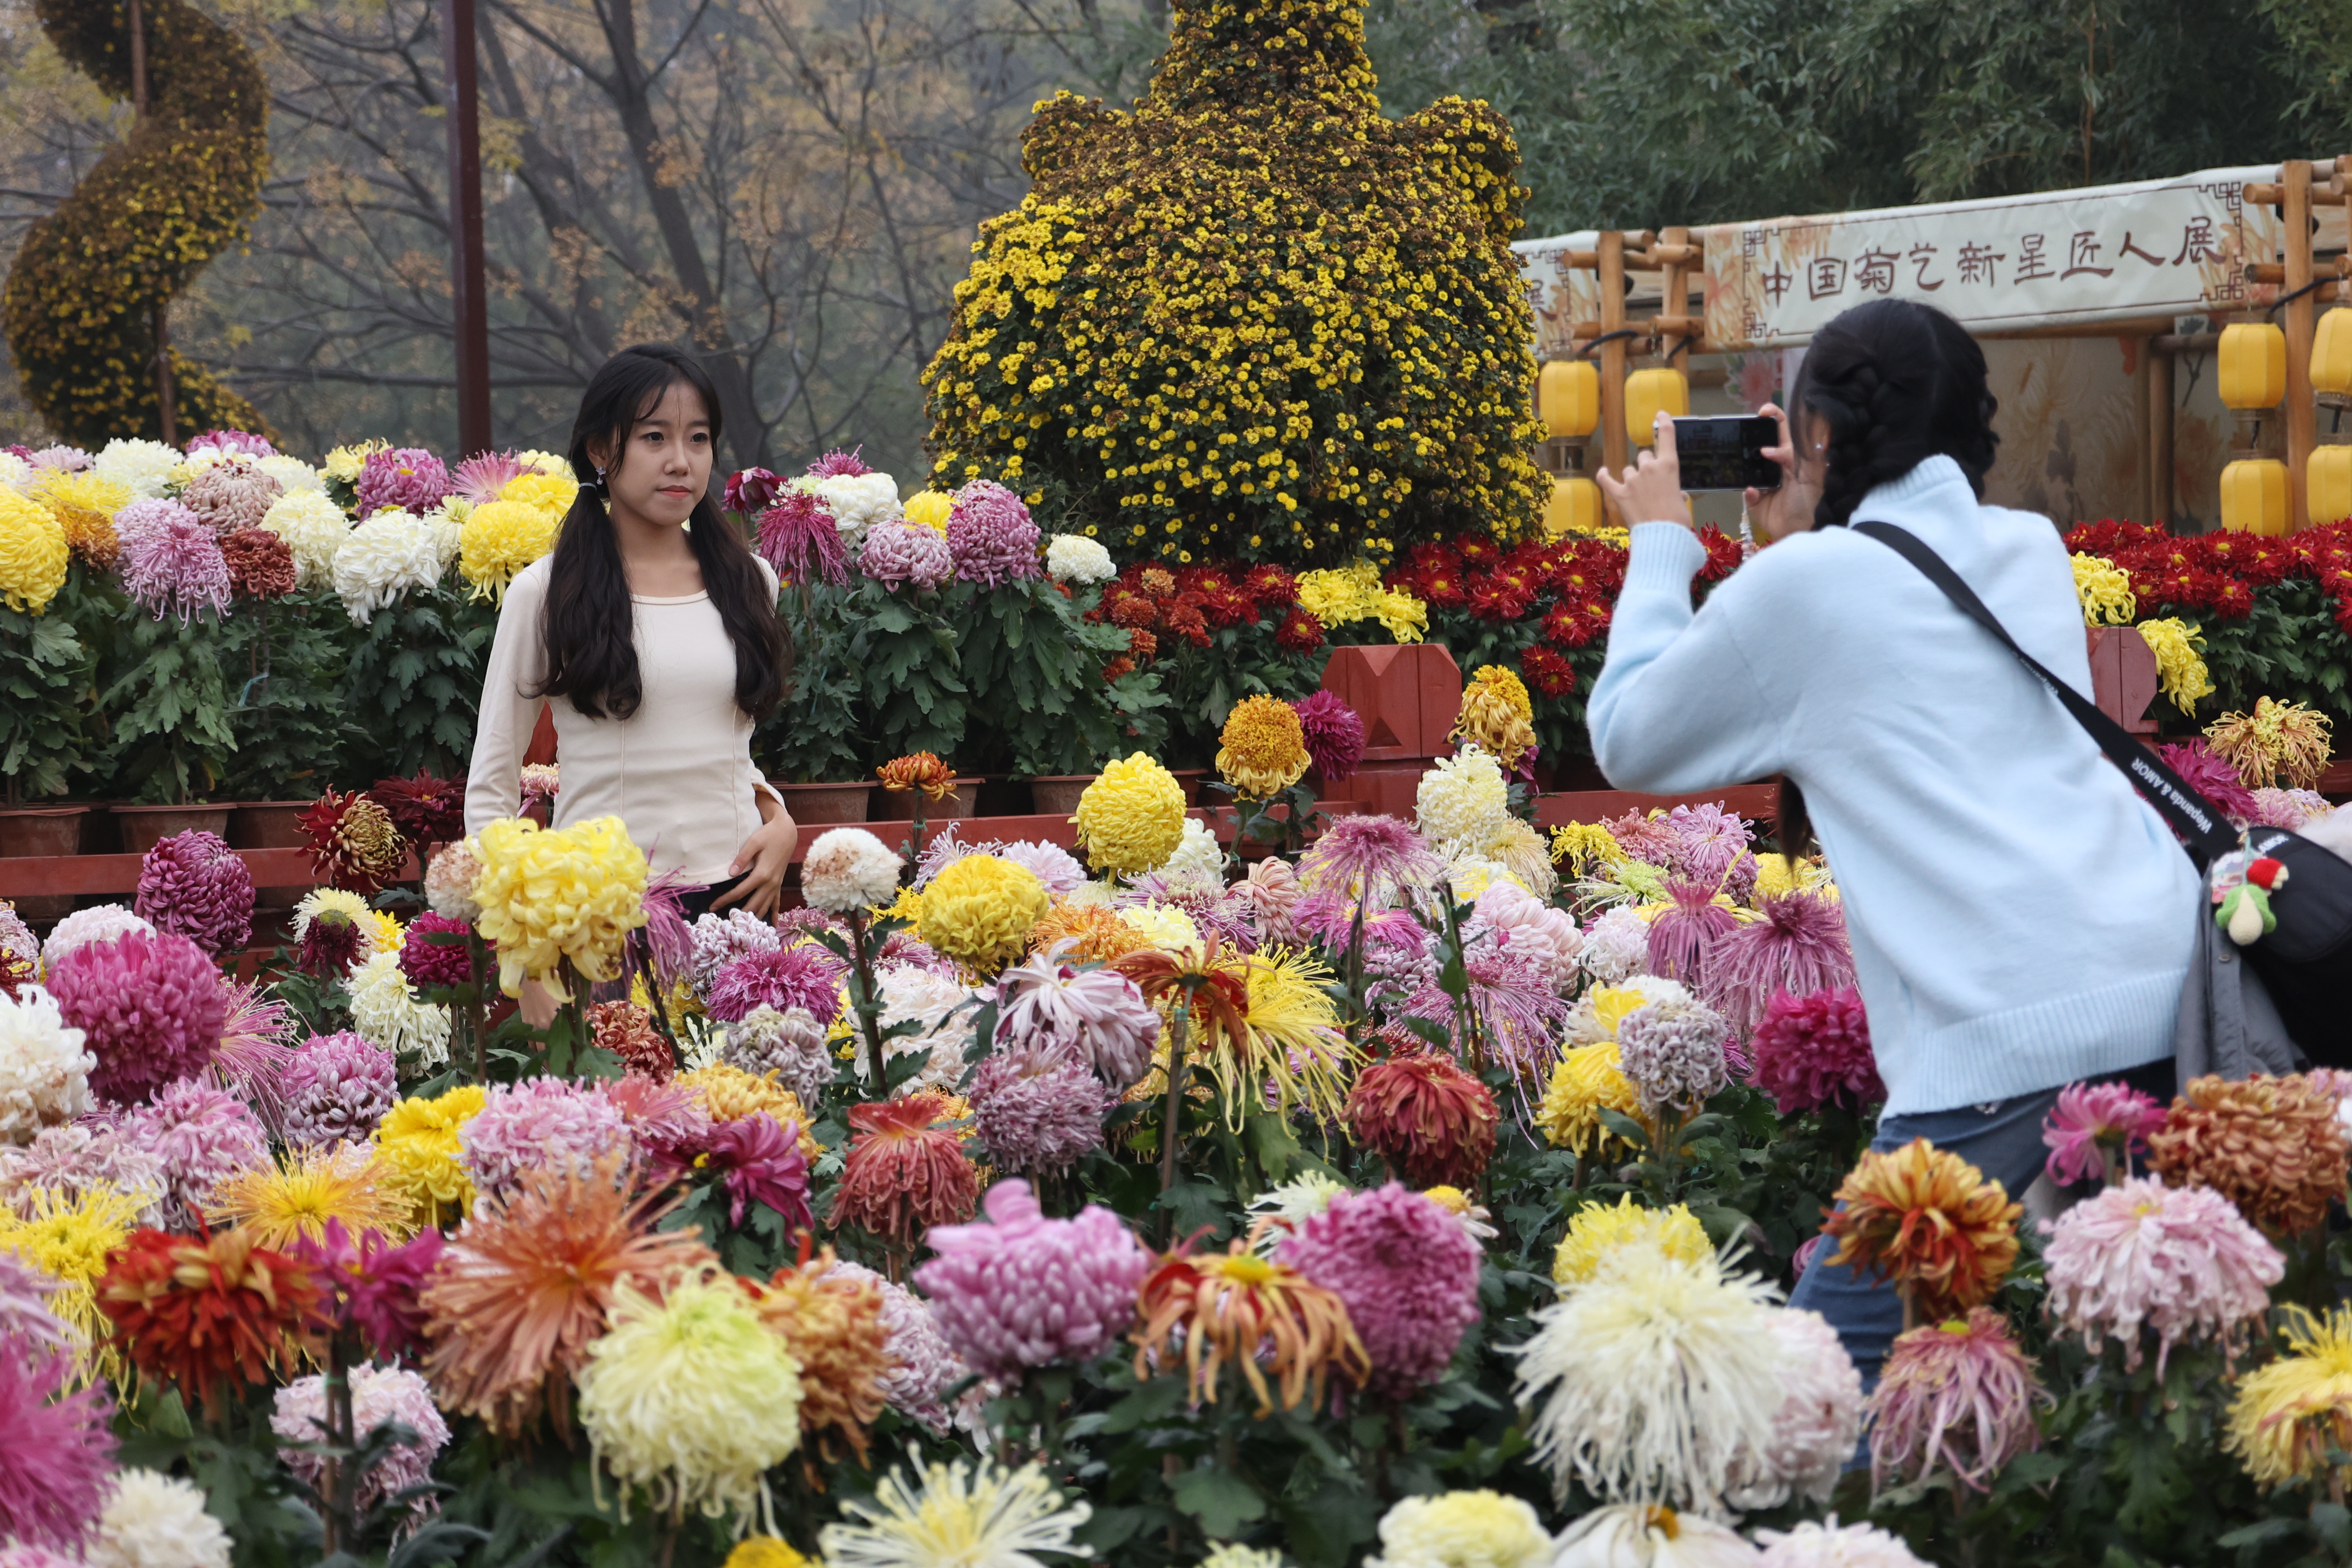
2020	918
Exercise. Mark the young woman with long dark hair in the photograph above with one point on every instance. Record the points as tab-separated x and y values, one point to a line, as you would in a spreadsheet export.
2021	919
652	633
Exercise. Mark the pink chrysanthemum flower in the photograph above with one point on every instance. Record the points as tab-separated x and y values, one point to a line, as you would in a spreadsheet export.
171	560
405	477
60	456
807	977
1673	1052
990	536
1376	858
1687	931
1049	863
56	1451
1798	948
253	1049
194	885
2095	1127
800	538
368	1284
840	464
380	1395
1408	1273
28	1328
2210	776
1956	1396
201	1134
1098	1014
897	553
336	1088
243	443
429	963
231	495
1709	841
1021	1290
1334	733
1038	1107
1616	945
151	1008
716	941
538	1121
1817	1426
481	476
2180	1260
922	1365
1814	1050
1828	1544
82	1157
1518	1012
660	1113
1651	840
759	1161
2288	808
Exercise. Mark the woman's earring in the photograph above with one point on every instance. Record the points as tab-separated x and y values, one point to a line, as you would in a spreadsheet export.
603	489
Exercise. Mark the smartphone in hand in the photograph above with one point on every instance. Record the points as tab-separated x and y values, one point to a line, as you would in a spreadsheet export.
1726	452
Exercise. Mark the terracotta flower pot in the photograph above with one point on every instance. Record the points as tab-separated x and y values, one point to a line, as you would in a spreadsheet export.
1056	794
41	830
144	826
269	825
1189	780
817	802
899	806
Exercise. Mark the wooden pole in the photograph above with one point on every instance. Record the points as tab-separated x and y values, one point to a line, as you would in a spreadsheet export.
2160	431
161	319
469	309
2302	320
1611	260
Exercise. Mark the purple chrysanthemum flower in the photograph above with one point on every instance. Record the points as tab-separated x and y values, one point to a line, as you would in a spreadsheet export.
84	1156
194	885
369	1284
990	536
800	538
717	940
171	560
2210	776
751	489
1673	1054
1334	733
1097	1016
783	978
759	1162
151	1008
898	552
1373	858
1022	1290
840	464
336	1089
538	1121
2287	808
244	443
481	476
1682	934
1709	842
1814	1050
201	1134
1518	1012
1798	948
56	1451
429	963
28	1327
1408	1272
380	1395
1049	863
405	477
1039	1107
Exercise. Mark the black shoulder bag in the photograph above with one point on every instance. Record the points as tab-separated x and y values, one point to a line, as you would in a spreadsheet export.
2305	962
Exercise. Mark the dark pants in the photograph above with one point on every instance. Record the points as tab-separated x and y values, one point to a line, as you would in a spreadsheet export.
697	903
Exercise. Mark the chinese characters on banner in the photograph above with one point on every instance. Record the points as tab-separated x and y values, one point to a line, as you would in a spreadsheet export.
1560	296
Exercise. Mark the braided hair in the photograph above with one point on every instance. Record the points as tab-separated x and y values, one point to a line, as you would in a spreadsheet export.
1895	382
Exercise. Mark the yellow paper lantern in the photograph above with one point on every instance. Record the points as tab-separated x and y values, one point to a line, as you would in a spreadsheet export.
2331	356
2328	482
1650	393
1568	396
1575	505
2253	365
2254	497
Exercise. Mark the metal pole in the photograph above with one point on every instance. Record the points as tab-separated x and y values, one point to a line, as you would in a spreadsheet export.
470	308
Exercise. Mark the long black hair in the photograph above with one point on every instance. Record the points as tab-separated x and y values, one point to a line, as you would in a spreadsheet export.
588	626
1893	383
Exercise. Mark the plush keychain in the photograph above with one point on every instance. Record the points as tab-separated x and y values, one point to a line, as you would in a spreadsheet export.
2245	910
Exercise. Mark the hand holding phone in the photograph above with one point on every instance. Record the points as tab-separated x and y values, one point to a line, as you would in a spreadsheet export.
1729	452
1650	489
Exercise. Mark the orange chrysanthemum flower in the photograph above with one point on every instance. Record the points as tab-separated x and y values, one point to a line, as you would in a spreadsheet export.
524	1285
2271	1145
1426	1117
904	1174
1238	1309
197	1313
833	1324
918	770
1217	989
1928	1219
1096	934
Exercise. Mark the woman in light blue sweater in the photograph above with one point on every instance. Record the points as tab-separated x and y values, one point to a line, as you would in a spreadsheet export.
2019	915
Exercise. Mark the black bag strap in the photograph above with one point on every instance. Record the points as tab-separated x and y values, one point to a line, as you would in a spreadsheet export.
2203	831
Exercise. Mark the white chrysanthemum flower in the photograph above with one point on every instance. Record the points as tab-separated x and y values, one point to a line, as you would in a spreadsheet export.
1233	1554
1616	945
44	1071
387	1012
447	522
1074	558
314	530
1463	801
1462	1529
1197	864
1637	1535
857	503
392	551
1825	1544
1818	1424
1292	1205
1599	1010
1471	877
964	1516
14	472
910	992
155	1521
145	468
1164	926
1512	918
848	868
1656	1379
291	473
100	922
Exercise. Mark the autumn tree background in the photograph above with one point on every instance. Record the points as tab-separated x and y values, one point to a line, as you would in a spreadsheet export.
797	182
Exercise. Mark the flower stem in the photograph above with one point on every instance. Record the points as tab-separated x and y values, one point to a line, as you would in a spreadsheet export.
862	997
1171	1129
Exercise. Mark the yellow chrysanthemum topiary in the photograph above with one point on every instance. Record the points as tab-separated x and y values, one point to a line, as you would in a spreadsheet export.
1261	750
1200	328
1600	1229
1131	818
33	554
500	539
979	911
549	895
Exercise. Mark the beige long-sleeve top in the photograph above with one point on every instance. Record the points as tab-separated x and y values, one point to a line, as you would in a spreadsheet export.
678	771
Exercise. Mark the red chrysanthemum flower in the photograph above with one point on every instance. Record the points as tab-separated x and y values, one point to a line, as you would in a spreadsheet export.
426	810
1477	549
1142	645
903	1173
1722	555
1130	610
1491	600
1184	619
260	564
1300	632
1225	605
1548	671
202	1313
1427	1117
1118	667
1271	586
627	1031
353	844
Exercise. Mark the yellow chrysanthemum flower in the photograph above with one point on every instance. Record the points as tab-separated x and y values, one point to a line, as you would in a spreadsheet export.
767	1552
2281	743
84	506
548	492
296	1195
1599	1230
385	934
1462	801
500	540
33	554
979	910
730	1094
2179	647
2287	1416
1261	749
929	508
1498	715
69	1239
545	462
2105	591
1584	845
1464	1529
1163	926
553	895
1401	615
1296	1045
417	1140
1131	819
345	463
1586	1082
